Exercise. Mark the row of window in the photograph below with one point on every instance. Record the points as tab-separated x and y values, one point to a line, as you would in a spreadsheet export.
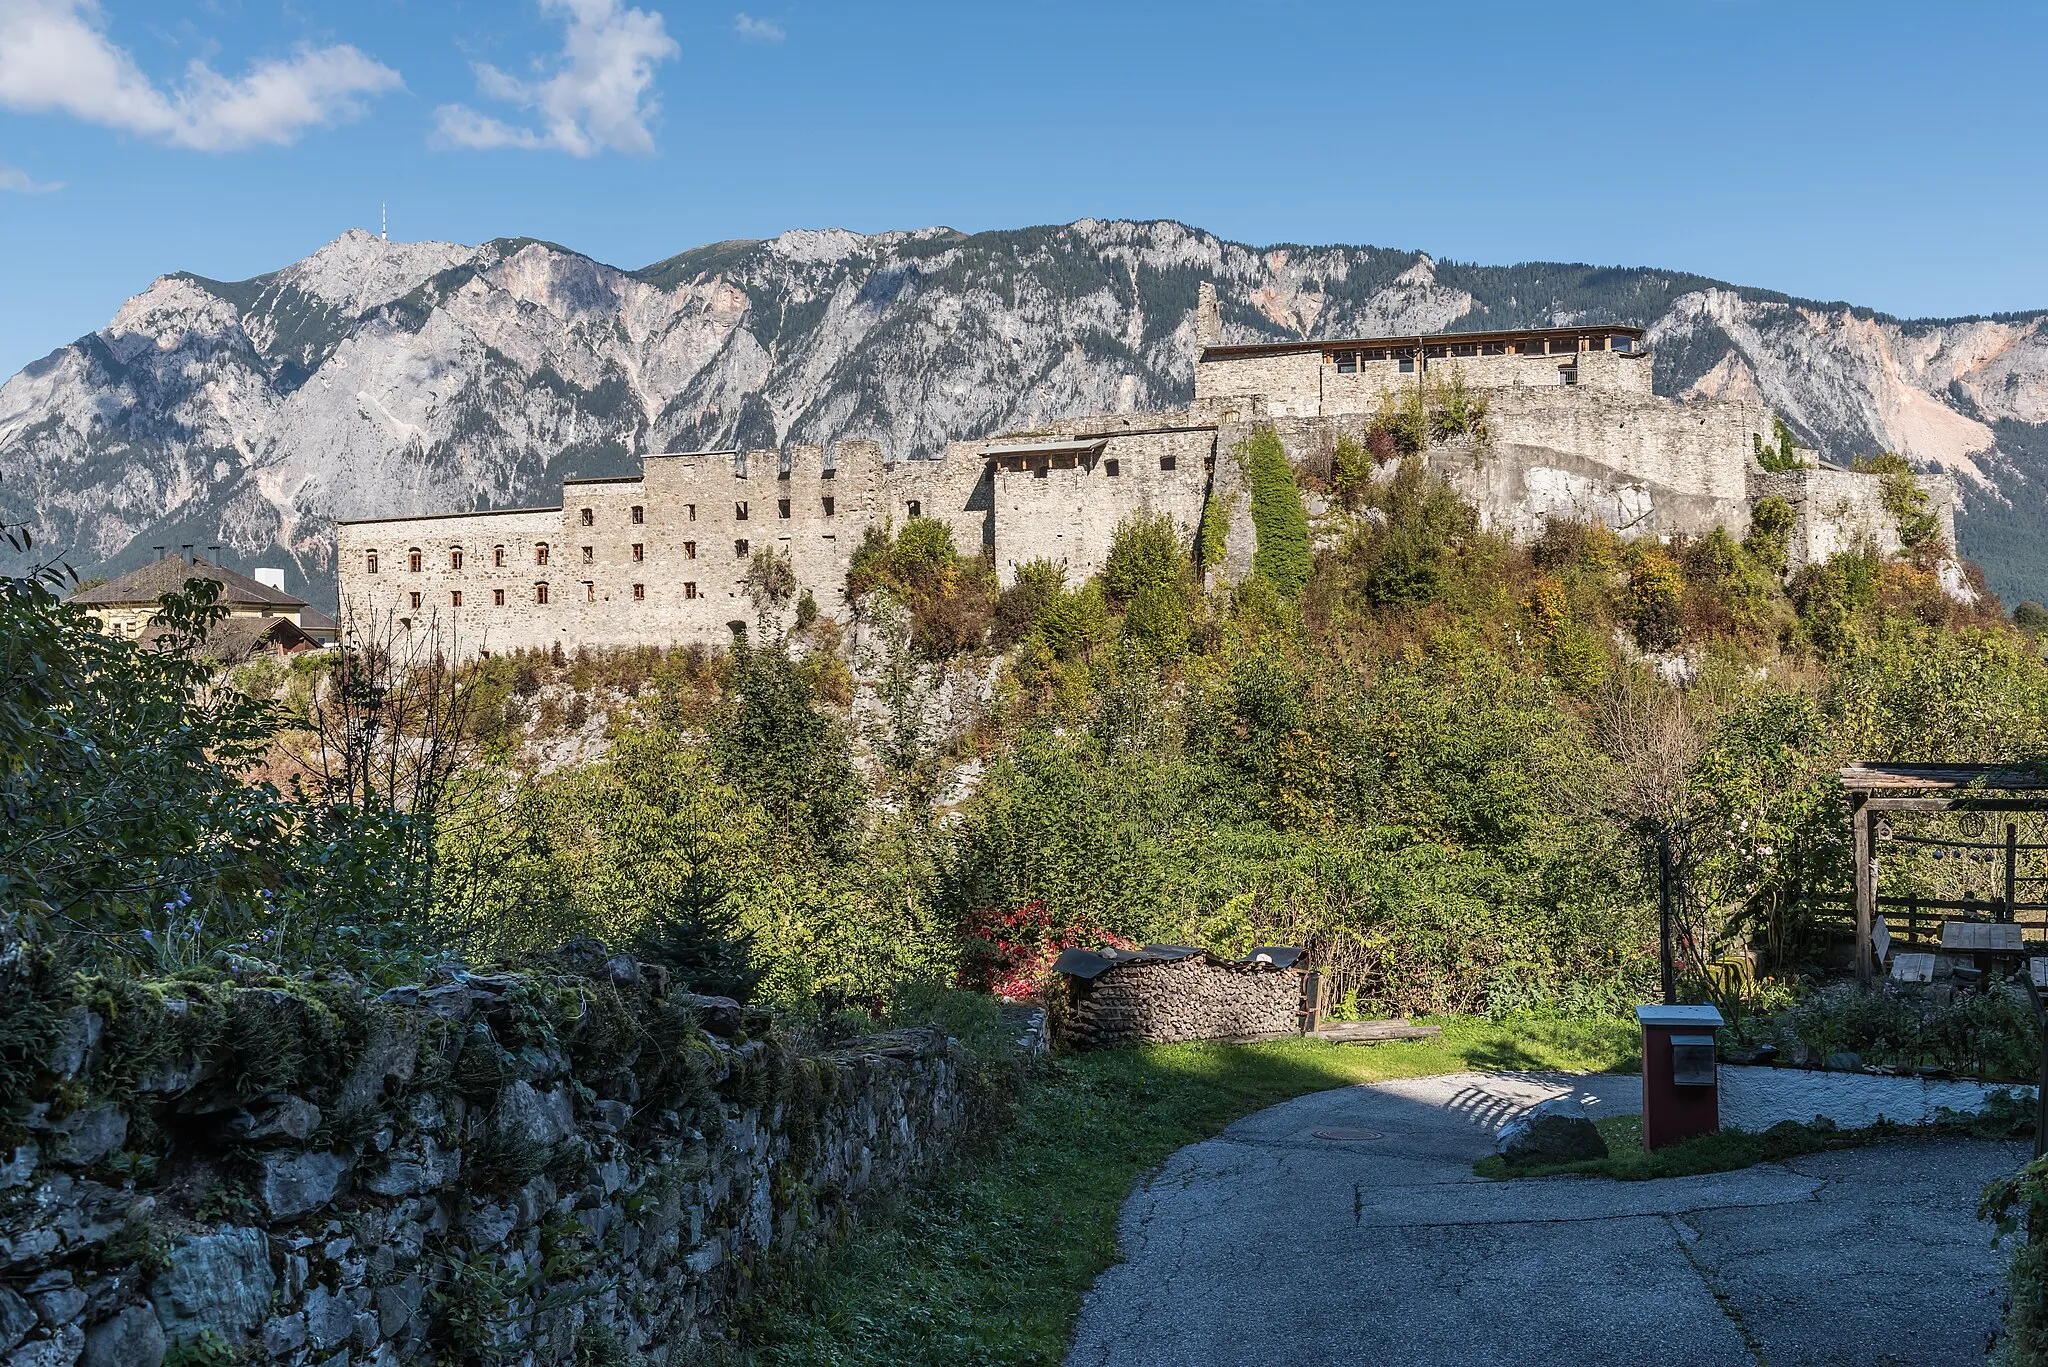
588	516
1347	362
541	595
415	559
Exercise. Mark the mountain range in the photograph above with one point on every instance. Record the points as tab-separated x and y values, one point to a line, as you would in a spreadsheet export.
376	377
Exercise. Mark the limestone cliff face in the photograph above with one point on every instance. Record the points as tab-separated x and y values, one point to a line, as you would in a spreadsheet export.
386	378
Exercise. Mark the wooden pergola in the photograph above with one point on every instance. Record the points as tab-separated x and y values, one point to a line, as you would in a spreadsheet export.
1875	789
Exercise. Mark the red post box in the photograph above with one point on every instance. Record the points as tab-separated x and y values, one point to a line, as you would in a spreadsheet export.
1681	1074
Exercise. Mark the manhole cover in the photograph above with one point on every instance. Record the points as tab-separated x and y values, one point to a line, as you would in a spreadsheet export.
1347	1134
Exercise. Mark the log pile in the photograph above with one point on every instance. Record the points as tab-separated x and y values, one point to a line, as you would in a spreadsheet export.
1193	998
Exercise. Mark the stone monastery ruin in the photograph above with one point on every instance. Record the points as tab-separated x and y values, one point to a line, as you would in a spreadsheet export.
662	557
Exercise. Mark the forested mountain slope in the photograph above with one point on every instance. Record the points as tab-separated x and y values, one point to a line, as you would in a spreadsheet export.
378	377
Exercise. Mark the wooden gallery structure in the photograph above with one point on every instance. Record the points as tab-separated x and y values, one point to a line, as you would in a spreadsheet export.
1992	930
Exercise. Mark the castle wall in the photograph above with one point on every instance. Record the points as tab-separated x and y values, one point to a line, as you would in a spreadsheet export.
1603	448
1290	384
369	601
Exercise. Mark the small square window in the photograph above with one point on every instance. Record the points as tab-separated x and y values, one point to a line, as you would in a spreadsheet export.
1111	468
497	598
455	598
782	507
1407	365
1168	462
589	592
739	512
639	514
1041	471
739	548
689	550
540	593
587	516
639	592
590	555
916	508
412	561
639	551
828	506
415	600
689	590
540	554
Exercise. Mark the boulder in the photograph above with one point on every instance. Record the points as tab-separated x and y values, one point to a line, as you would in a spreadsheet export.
218	1283
1557	1131
276	1117
16	1319
132	1338
292	1185
61	1349
536	1117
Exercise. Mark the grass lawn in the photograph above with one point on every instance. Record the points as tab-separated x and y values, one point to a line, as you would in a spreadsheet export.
990	1265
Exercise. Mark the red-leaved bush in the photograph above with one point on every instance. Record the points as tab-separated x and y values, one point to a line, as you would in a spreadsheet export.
1011	953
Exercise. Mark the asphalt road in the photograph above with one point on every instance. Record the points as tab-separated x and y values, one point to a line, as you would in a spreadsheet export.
1274	1246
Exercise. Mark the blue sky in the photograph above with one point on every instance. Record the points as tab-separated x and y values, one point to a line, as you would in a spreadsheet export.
1891	155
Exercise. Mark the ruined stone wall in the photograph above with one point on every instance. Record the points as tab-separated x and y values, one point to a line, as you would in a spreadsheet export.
1070	513
675	575
490	1169
1841	510
1185	999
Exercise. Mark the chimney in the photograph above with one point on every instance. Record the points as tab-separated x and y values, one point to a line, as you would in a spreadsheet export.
159	551
186	552
271	579
213	554
1208	317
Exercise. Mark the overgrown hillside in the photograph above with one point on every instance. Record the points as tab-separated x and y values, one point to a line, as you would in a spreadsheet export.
1437	759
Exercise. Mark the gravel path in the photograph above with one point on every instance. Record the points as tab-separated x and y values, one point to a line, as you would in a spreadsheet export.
1273	1245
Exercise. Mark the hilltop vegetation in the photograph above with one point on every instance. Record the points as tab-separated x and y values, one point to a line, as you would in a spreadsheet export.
1436	758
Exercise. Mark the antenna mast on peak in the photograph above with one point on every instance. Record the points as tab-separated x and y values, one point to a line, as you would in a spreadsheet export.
383	223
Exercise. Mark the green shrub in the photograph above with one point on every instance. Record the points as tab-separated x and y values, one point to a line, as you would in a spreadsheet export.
1278	514
1779	455
1770	532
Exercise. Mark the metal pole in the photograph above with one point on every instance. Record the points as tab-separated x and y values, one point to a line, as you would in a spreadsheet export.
1664	910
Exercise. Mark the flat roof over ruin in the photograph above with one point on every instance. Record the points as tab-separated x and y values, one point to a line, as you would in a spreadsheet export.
1075	446
1430	339
436	517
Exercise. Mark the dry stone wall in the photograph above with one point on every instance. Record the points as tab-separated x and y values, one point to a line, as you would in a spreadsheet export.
1186	999
487	1169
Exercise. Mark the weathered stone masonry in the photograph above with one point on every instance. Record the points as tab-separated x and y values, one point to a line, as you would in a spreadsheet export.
497	1169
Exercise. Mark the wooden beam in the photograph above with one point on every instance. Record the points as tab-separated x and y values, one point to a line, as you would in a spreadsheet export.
1953	804
1872	778
1861	824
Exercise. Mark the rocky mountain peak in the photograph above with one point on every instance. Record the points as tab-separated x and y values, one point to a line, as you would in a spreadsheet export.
379	377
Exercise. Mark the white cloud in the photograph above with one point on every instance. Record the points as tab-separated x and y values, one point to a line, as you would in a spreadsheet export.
600	95
16	181
757	30
55	57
